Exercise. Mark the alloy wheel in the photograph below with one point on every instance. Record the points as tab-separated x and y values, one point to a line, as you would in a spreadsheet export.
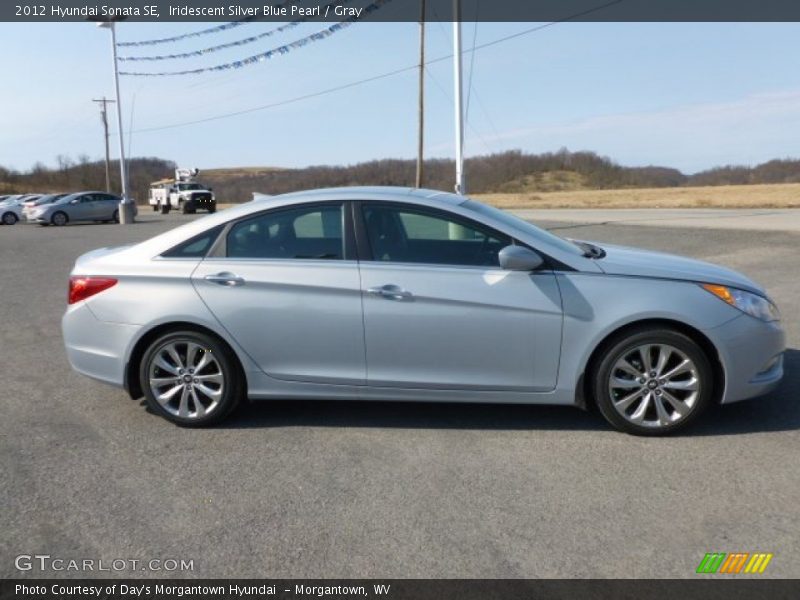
654	385
186	379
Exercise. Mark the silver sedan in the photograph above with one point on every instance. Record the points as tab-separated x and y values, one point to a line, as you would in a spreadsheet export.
81	206
399	294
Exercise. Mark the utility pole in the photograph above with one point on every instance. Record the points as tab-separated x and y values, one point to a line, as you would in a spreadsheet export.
126	204
104	115
460	185
421	110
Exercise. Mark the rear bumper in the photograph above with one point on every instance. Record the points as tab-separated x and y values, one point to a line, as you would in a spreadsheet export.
752	356
96	348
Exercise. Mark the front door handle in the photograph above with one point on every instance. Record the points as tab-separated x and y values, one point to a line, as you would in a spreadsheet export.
390	292
225	278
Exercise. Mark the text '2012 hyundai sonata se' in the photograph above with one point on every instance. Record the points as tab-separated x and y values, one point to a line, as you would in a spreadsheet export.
408	294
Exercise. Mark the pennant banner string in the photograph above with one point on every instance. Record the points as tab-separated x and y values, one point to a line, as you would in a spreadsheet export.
285	49
216	29
242	42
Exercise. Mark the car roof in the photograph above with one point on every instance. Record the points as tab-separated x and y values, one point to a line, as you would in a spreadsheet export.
387	193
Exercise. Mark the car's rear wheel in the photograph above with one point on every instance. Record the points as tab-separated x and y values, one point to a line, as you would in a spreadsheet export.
115	216
653	381
59	219
9	218
191	378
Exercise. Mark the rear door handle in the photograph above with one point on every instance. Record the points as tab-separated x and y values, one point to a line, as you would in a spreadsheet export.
390	292
225	278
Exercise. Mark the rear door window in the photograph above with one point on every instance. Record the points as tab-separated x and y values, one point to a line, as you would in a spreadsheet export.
308	232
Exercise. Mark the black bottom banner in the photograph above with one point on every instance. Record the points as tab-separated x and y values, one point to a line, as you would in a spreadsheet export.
398	589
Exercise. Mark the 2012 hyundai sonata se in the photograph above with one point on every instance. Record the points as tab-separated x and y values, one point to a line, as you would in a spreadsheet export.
407	294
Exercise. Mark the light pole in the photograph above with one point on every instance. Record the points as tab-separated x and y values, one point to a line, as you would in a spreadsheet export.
460	187
421	99
126	204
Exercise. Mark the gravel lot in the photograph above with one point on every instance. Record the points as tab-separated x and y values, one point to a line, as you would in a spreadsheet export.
316	489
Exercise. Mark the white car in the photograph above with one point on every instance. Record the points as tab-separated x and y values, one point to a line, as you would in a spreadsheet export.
10	211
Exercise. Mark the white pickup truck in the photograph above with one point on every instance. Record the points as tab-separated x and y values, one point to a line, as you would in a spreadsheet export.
183	193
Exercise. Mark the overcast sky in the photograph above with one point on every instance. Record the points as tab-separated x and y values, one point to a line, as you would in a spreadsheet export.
690	96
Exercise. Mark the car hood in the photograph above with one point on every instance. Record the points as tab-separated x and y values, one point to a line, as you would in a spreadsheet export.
635	262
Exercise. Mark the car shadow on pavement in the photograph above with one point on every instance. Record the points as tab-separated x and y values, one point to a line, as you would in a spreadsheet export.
777	411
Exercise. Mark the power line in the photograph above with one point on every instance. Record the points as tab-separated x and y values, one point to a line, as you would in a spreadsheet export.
374	77
450	99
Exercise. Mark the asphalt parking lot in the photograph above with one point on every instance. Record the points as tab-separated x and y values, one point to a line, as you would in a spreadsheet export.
346	489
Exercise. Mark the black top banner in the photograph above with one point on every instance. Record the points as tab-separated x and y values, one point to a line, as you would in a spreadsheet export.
401	10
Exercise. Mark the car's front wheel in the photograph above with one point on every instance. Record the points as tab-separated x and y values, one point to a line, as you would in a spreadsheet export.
59	219
9	218
653	381
191	378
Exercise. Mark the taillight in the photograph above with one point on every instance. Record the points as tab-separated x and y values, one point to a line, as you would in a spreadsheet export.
81	288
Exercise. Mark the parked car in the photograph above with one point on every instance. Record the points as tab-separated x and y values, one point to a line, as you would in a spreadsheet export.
31	203
10	210
396	294
82	206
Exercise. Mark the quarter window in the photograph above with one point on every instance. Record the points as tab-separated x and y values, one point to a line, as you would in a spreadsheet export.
411	235
311	232
196	247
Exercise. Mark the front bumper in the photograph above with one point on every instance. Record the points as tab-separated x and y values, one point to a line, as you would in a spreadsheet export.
751	352
95	348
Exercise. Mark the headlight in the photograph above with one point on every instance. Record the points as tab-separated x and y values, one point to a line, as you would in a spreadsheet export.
753	304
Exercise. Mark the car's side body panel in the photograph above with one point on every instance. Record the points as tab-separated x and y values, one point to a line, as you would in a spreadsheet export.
298	320
462	328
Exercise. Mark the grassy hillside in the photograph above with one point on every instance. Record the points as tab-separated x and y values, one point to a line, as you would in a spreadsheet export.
778	195
512	178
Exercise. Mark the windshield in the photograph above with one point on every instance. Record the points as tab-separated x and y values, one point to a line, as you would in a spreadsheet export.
189	186
45	199
66	199
522	225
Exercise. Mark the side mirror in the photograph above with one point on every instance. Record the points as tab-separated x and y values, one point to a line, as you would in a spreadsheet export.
519	258
75	201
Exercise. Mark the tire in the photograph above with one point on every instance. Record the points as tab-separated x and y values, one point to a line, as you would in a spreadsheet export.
212	209
165	209
10	218
115	216
220	387
661	397
59	219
